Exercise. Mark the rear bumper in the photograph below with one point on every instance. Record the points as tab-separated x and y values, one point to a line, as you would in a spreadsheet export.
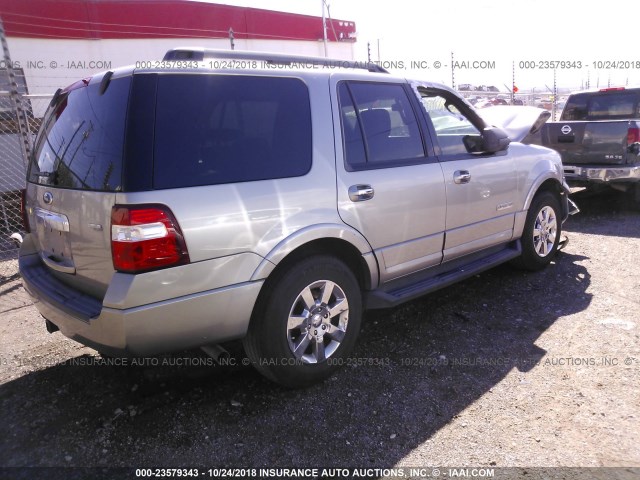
188	321
601	173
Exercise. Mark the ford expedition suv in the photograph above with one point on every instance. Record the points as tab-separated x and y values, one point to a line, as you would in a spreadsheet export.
185	206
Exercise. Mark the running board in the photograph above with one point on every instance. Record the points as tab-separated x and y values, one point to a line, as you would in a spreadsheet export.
402	290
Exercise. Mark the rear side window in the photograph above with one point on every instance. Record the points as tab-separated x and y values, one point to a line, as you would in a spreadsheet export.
589	106
213	129
379	125
80	144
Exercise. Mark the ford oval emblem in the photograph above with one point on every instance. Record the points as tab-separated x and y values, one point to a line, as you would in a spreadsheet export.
47	198
566	129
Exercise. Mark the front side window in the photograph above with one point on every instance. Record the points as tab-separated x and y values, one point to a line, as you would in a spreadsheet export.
450	125
379	126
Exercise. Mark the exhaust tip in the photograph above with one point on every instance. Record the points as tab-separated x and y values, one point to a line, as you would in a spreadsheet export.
216	352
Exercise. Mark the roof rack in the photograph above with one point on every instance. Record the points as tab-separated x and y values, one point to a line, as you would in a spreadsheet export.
200	54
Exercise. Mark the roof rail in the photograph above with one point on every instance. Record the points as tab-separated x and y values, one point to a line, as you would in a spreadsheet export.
199	54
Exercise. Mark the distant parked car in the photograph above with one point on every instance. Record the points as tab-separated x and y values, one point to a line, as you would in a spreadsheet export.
466	87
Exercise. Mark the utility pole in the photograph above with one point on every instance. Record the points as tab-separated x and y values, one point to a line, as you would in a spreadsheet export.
231	38
324	30
369	52
453	77
513	81
555	95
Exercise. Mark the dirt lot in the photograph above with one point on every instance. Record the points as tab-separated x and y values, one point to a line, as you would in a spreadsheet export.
505	369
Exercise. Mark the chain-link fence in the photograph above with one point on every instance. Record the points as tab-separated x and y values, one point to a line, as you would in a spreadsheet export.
20	118
13	164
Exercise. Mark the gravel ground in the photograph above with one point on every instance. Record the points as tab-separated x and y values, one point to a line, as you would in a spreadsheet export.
505	369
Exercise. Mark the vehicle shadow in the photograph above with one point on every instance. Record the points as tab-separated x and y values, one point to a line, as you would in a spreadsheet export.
414	369
607	212
604	212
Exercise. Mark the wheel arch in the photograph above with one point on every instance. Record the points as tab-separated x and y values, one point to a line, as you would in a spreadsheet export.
340	241
546	183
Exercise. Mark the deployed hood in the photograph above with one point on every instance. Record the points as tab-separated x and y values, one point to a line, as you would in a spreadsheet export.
517	122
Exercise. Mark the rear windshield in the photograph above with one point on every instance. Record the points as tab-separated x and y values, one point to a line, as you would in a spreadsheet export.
602	106
213	129
80	144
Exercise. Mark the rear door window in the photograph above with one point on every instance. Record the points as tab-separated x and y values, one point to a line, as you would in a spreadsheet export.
214	129
379	125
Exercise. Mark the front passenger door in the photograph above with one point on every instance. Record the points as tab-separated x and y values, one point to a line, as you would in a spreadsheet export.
481	188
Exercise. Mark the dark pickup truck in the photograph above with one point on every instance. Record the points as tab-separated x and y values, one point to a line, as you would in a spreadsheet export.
598	138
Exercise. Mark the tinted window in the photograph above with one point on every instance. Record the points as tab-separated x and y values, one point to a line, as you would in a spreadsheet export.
213	129
379	125
352	135
603	106
81	141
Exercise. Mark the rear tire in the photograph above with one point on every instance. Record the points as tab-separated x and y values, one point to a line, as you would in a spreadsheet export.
306	323
542	231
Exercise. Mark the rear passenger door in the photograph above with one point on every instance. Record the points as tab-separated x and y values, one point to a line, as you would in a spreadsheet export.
481	188
390	188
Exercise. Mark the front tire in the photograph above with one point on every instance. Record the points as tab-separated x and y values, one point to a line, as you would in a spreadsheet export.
636	196
307	322
542	231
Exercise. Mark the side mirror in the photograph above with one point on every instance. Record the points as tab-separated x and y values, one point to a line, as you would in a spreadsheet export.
494	140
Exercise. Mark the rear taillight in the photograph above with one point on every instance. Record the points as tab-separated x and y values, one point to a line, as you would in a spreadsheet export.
633	136
23	210
146	237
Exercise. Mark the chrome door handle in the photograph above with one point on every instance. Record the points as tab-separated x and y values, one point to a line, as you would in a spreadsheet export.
360	193
461	176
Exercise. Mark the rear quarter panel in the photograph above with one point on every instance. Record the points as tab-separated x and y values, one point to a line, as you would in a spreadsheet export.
256	217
